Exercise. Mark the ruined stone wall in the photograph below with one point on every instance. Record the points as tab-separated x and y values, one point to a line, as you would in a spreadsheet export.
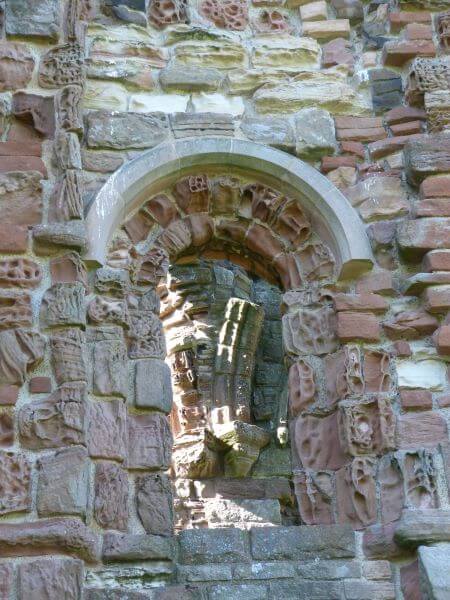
313	467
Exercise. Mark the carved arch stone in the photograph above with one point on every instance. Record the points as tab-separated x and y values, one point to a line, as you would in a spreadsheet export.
331	215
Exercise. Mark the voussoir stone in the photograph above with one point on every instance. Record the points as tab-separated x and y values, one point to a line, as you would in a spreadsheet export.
121	130
298	543
419	527
213	545
48	536
50	578
129	547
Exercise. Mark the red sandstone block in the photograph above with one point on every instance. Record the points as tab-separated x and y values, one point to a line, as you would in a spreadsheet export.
22	163
401	348
436	260
434	207
368	134
20	149
358	122
406	128
358	326
396	54
442	340
444	401
387	146
360	302
398	20
329	163
8	394
418	31
355	148
403	114
436	186
378	542
40	385
427	429
13	239
437	298
380	282
410	581
416	400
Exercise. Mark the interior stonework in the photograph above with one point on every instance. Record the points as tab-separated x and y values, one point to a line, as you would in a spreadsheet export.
224	297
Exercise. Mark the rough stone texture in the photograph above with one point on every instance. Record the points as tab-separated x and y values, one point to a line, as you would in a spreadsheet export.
434	568
299	543
130	547
221	546
48	578
149	441
33	18
15	483
63	483
154	504
48	536
159	394
107	429
120	131
111	496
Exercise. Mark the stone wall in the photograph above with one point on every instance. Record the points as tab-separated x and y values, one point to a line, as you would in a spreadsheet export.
221	375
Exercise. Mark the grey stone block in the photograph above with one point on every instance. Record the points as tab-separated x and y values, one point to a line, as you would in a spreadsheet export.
434	568
293	543
129	547
37	18
190	79
307	590
125	130
362	590
213	545
265	570
314	133
153	386
274	131
248	591
204	573
329	569
417	527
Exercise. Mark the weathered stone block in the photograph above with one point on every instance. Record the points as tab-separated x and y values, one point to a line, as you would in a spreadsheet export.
155	504
15	483
314	133
130	547
153	385
67	356
63	304
120	131
357	326
429	155
6	581
107	436
300	543
58	420
111	496
20	198
16	65
420	527
20	350
63	483
15	310
48	536
313	590
217	546
356	492
35	18
48	578
149	441
250	591
426	429
109	362
434	568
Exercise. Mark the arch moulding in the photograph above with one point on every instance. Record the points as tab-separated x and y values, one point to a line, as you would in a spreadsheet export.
332	216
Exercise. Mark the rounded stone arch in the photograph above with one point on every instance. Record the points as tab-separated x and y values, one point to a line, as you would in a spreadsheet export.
330	213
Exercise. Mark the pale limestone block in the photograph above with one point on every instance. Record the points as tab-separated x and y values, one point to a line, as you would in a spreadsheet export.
314	11
217	103
425	374
105	95
167	103
327	30
285	51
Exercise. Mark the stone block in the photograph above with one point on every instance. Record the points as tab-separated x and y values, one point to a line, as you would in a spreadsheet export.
329	569
15	483
416	400
356	493
153	385
6	581
8	394
430	155
265	570
149	441
63	483
155	504
316	441
244	513
120	130
338	52
356	590
437	299
13	239
107	429
249	591
442	340
426	429
190	79
15	311
125	547
434	568
109	360
20	198
357	326
422	527
63	304
396	54
34	18
379	542
40	385
303	543
410	582
313	590
115	594
426	374
314	133
314	11
58	420
48	578
111	496
49	536
16	66
200	546
417	237
327	30
50	239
